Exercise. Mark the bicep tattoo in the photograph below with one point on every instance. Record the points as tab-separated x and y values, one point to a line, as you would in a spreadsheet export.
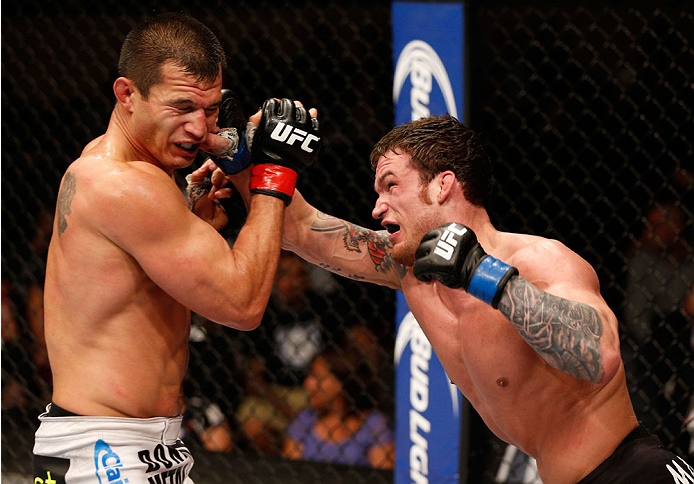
353	236
565	333
64	202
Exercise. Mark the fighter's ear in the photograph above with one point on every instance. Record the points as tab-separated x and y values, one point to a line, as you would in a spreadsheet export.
124	89
446	184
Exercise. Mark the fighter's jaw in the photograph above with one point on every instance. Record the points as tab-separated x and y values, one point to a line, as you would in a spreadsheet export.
403	249
403	255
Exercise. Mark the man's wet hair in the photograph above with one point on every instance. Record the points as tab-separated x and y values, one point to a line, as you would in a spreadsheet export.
440	143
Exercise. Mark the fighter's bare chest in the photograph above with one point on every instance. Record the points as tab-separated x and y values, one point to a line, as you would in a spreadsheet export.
478	347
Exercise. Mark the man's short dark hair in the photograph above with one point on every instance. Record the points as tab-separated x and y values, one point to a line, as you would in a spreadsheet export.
174	37
440	143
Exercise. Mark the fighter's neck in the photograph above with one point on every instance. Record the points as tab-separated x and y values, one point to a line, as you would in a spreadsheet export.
127	145
477	219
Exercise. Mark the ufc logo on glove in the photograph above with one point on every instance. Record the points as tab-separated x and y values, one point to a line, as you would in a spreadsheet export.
283	131
448	242
277	157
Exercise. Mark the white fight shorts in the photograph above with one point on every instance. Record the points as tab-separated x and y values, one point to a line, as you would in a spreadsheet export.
110	450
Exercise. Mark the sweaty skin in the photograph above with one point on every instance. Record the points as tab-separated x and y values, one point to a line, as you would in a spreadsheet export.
128	260
544	371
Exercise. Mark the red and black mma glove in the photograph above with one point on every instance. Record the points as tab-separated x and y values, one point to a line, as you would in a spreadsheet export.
286	141
452	255
236	157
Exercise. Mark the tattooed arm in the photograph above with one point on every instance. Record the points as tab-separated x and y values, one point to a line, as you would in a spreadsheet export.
340	246
565	333
568	323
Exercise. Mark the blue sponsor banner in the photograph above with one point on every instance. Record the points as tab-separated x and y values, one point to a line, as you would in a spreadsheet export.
428	49
428	79
427	409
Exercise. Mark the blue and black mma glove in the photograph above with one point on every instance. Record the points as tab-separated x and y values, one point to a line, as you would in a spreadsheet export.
236	157
286	141
452	255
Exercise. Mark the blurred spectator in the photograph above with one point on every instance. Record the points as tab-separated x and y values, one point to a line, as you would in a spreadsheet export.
360	338
279	353
660	276
660	271
340	425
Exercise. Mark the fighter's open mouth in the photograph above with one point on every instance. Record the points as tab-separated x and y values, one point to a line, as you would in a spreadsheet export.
188	146
392	228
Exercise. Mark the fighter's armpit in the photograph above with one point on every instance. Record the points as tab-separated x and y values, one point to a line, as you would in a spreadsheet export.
377	245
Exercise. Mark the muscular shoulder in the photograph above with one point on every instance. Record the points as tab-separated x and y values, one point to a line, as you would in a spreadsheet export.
548	262
112	177
104	194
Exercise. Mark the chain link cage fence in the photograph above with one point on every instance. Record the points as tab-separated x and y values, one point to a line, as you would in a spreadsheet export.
586	111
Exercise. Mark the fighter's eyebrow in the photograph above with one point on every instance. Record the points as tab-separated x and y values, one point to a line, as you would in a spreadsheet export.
186	103
380	179
181	102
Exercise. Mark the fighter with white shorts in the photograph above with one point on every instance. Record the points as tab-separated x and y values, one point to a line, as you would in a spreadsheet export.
75	449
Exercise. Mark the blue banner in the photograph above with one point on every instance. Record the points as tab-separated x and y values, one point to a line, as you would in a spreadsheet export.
428	49
428	79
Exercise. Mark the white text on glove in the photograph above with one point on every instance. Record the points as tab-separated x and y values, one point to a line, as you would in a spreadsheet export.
282	133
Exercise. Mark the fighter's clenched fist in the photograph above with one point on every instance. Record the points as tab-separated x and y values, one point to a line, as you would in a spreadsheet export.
452	255
286	141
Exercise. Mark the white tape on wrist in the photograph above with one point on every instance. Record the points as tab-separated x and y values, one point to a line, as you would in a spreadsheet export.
195	191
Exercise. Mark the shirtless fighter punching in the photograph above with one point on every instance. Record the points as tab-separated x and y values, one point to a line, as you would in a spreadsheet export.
128	260
517	320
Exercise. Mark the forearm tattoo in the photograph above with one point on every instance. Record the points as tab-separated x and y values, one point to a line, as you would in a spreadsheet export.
353	236
338	270
64	202
565	333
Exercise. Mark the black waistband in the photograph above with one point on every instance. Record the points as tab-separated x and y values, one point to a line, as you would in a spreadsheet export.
56	411
639	433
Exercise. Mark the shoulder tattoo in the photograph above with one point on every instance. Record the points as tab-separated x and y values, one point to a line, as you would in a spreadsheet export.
65	196
565	333
354	237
